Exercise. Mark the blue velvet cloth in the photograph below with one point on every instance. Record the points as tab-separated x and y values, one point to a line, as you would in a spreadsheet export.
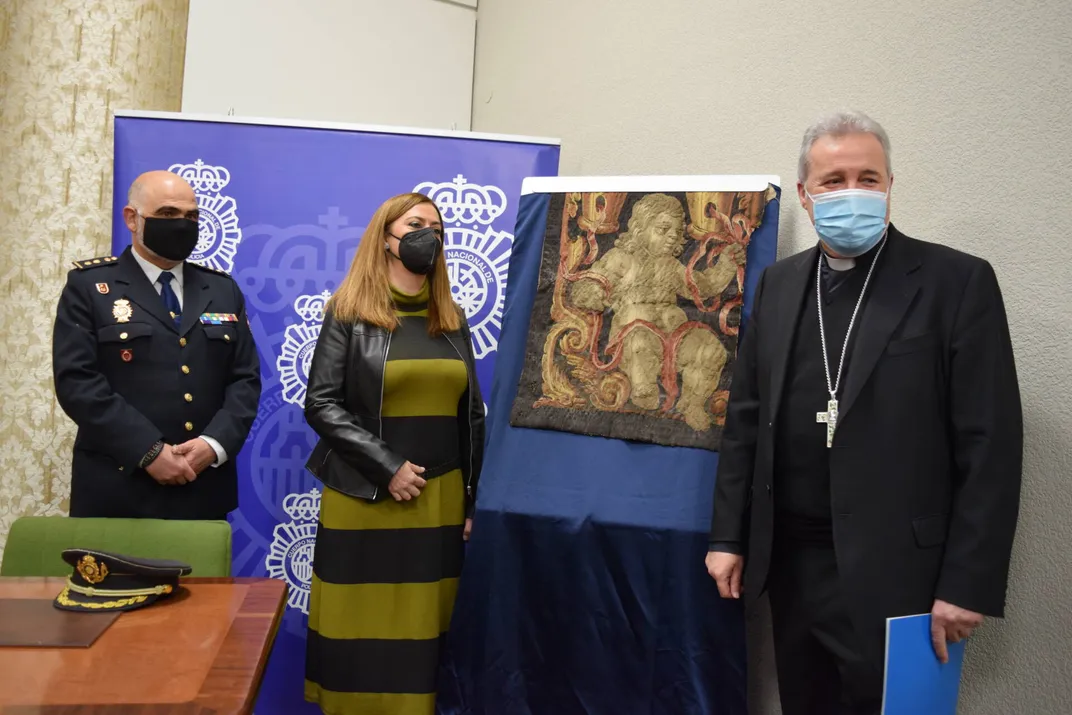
584	589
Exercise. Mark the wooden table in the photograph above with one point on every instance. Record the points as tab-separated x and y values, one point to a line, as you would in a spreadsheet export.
201	651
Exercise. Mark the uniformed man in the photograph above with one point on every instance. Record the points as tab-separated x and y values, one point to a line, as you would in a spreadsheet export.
154	360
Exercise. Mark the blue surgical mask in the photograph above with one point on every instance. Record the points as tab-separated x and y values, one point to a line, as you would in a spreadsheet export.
852	221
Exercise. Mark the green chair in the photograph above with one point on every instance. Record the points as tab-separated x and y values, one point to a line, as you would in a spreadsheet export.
34	543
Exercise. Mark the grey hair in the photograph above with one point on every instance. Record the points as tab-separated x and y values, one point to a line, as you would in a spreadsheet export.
840	124
134	195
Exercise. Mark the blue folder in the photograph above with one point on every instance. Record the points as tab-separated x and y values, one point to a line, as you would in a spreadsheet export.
916	682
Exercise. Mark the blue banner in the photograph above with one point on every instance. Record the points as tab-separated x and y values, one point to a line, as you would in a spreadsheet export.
282	211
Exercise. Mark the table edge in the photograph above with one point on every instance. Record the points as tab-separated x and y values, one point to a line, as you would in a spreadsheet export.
233	706
273	631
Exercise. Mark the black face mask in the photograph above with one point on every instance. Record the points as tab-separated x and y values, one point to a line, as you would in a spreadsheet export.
418	250
170	238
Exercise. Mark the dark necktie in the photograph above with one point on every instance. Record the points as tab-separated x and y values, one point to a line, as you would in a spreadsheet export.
171	301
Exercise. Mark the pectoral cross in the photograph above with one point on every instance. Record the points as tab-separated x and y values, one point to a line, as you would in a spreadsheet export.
829	418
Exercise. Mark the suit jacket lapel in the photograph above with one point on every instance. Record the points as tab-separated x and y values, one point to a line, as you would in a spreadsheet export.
136	287
787	315
891	293
195	298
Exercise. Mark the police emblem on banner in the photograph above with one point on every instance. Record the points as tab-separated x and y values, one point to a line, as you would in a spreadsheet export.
290	557
299	341
219	234
478	256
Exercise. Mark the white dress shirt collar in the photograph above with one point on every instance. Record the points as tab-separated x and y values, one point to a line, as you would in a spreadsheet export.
840	264
153	272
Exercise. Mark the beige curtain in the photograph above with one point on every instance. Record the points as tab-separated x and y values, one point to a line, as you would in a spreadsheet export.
64	66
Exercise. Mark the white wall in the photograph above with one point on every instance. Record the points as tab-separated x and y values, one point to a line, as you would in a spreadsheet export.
396	62
976	97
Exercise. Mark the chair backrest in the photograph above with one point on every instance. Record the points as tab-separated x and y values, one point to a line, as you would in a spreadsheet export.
34	543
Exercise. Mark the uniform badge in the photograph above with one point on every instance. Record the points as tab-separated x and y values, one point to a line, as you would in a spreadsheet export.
91	571
102	288
127	354
122	311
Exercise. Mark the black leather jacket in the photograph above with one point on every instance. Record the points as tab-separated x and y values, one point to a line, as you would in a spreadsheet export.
343	405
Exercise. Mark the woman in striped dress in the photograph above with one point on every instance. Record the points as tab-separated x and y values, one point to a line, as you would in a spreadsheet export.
393	396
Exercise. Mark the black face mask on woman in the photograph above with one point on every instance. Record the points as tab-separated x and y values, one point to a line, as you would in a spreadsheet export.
418	250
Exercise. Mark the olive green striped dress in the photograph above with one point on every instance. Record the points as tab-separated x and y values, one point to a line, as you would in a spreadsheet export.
385	573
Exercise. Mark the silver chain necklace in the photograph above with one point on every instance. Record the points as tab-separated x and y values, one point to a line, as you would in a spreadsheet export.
830	417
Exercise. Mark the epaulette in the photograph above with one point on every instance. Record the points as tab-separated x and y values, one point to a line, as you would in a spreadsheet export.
94	262
210	269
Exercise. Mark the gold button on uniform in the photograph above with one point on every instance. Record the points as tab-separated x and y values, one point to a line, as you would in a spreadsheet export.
123	336
188	397
185	369
227	338
182	342
189	426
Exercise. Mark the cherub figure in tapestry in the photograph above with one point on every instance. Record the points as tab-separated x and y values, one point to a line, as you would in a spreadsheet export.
633	335
642	279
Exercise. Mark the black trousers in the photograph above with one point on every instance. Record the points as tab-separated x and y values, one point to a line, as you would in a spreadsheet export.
820	667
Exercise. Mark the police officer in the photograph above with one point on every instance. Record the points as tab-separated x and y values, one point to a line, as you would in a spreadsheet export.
154	361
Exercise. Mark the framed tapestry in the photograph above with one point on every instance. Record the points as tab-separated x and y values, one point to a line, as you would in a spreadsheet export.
634	329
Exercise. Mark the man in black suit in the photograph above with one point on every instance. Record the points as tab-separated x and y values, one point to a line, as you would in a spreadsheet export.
870	464
154	361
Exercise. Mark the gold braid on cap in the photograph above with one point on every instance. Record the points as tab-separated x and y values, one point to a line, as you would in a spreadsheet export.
154	591
64	601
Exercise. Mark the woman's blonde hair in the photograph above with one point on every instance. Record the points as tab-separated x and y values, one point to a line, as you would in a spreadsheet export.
365	294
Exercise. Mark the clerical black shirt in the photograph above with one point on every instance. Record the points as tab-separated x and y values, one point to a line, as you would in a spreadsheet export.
801	458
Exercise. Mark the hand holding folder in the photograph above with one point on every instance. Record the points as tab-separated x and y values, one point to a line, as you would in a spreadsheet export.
916	682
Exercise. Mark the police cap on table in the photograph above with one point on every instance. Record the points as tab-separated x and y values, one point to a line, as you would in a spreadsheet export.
104	582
